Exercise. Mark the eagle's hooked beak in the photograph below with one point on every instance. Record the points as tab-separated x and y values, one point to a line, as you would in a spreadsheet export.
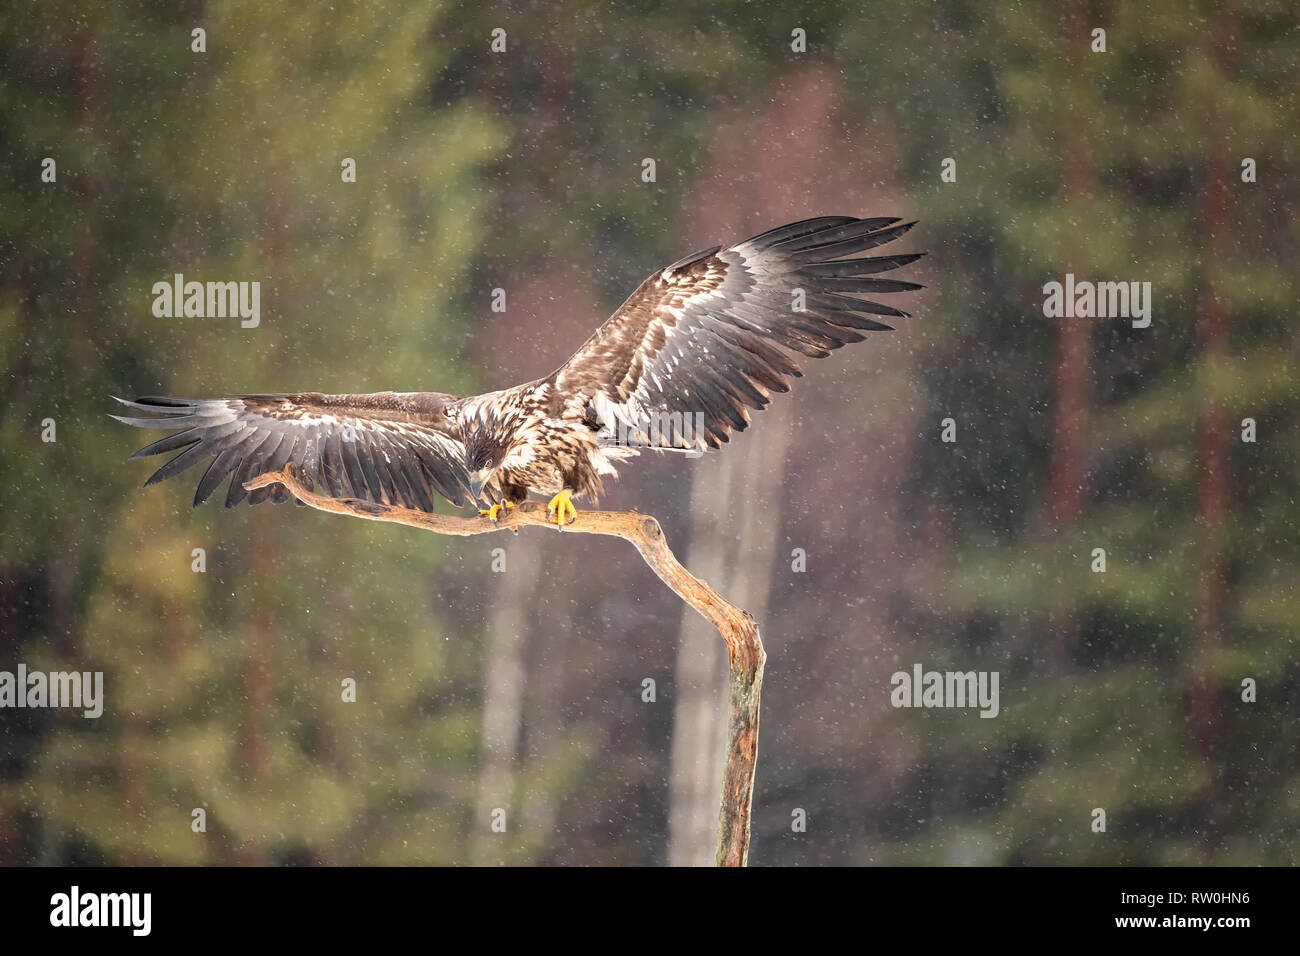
476	488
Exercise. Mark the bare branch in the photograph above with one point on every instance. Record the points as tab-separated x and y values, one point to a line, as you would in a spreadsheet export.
736	627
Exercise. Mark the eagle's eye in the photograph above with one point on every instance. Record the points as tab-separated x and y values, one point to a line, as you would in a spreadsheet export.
480	457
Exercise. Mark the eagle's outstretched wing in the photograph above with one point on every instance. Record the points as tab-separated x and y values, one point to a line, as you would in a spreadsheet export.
388	447
711	336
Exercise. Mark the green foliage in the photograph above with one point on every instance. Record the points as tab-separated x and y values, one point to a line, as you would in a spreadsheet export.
226	165
1144	120
228	683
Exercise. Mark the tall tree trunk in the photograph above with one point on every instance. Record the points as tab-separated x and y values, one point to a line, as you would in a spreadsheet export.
749	481
699	687
778	186
512	598
1071	377
1212	427
541	728
259	680
258	688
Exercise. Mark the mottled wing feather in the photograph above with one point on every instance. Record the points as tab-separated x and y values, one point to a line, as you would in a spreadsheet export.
712	336
388	447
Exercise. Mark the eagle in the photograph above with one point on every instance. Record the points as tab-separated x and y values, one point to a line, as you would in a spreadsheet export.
677	368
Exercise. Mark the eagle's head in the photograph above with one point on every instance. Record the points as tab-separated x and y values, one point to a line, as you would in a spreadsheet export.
485	449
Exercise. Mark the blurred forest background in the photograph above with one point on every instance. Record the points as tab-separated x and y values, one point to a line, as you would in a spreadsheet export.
523	690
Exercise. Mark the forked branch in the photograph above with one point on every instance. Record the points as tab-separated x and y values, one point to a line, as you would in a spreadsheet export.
737	627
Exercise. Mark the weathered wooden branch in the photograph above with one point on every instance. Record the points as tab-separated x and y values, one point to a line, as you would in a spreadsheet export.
737	627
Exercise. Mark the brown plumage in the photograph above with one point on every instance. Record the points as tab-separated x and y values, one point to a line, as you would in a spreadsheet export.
678	367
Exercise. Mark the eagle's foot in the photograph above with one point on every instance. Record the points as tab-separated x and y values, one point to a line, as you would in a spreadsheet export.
495	511
562	506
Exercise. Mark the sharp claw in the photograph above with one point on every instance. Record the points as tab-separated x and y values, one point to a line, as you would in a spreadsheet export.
563	509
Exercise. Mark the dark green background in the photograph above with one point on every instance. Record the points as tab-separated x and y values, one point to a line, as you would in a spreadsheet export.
521	170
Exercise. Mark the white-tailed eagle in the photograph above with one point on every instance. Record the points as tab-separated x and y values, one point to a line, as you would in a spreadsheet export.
677	367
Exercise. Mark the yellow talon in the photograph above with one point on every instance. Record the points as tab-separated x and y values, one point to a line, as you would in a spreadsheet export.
565	513
494	512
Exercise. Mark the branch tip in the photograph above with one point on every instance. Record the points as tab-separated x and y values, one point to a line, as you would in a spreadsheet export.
735	626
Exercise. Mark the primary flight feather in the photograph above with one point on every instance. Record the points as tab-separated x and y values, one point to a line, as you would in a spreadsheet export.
678	367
